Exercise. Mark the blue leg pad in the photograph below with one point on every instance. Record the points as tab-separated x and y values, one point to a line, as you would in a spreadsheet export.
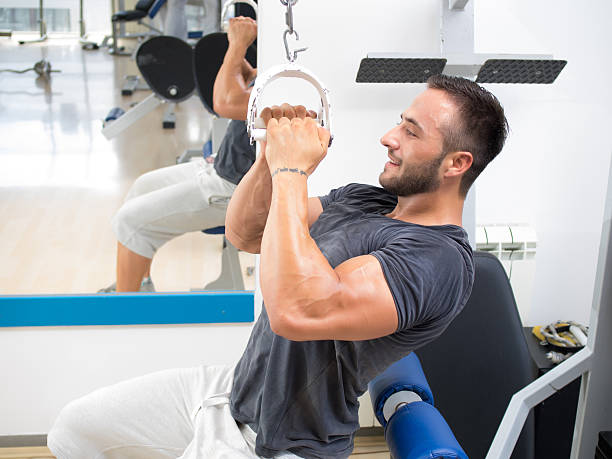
405	374
418	431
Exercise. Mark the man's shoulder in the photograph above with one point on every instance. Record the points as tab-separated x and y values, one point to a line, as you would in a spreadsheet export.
426	238
442	246
365	188
360	193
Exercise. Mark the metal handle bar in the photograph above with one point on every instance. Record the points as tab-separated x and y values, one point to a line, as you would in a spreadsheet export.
226	7
255	125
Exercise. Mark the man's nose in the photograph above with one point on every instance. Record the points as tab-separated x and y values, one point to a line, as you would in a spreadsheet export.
389	140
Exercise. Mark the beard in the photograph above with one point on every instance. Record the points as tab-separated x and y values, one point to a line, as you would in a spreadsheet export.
414	178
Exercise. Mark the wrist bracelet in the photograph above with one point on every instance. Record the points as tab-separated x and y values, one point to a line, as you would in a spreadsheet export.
287	169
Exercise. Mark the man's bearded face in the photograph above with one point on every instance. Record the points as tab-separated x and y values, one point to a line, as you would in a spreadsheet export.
410	178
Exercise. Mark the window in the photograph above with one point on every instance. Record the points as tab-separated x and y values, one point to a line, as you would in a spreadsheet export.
26	19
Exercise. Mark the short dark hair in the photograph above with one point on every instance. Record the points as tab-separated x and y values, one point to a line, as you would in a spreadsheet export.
481	129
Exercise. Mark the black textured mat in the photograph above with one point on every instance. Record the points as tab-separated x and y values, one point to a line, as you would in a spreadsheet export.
398	70
523	71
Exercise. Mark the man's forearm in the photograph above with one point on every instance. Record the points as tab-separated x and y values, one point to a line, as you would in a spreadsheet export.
248	209
230	91
297	281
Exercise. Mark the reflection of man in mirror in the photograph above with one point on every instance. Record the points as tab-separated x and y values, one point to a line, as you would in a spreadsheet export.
351	281
168	202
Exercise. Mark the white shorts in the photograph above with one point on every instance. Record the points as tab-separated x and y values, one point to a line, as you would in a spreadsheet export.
180	413
168	202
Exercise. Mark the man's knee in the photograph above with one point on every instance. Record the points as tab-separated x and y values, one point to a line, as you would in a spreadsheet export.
70	435
131	220
145	183
134	231
127	216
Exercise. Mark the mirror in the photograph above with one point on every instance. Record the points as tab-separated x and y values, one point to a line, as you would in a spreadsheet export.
61	182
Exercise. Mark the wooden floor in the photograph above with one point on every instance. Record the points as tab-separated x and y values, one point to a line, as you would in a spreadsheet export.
61	180
29	452
365	448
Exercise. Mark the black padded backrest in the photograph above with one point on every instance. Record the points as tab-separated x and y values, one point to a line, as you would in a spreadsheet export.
166	64
144	5
480	361
208	56
244	9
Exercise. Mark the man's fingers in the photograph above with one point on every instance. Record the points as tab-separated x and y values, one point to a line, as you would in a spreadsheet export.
324	136
300	111
277	112
271	124
288	111
266	114
271	112
242	19
274	123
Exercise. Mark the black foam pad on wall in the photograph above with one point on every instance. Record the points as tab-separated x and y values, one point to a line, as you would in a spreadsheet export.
524	71
398	70
166	64
208	56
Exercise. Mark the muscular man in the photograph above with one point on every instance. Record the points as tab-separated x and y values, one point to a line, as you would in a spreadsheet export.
351	282
168	202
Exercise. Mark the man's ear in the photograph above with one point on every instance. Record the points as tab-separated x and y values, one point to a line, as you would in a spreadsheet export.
458	163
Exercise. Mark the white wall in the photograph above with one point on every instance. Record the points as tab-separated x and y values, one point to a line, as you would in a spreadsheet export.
551	175
43	368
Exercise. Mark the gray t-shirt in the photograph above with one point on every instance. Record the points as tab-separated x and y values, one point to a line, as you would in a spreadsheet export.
302	396
236	155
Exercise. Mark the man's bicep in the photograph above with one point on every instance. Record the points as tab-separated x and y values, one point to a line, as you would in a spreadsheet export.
367	308
315	208
232	104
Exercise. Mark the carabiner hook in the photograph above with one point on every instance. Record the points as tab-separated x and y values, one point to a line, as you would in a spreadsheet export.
292	57
289	17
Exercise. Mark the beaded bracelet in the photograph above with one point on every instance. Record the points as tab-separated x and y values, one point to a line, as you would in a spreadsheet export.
287	169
